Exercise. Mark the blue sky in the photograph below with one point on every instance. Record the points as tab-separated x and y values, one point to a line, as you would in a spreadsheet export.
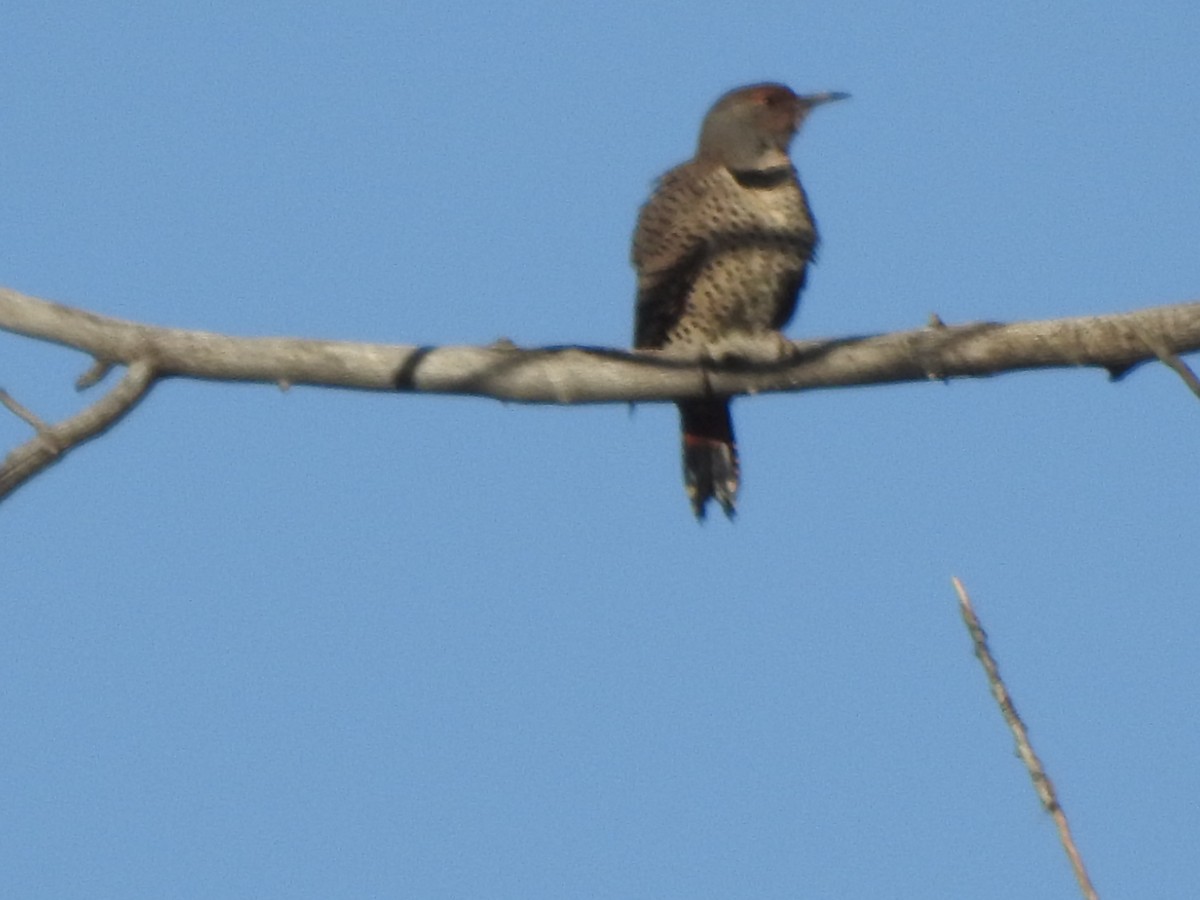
324	644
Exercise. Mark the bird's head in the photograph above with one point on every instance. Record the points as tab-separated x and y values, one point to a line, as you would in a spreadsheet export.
751	127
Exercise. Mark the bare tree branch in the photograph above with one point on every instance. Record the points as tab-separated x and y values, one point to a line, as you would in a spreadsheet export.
1041	781
53	442
571	374
597	375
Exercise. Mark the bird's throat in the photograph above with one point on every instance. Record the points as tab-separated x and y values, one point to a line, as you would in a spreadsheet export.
762	179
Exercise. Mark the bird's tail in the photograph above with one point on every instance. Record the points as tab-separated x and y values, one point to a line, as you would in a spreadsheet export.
710	460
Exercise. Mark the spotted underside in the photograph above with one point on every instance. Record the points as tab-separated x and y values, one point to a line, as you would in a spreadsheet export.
720	253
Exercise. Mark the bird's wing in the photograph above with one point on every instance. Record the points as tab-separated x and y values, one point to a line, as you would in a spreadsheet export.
669	248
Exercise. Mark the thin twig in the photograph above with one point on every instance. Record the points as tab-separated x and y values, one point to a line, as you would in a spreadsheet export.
1169	358
23	413
94	375
1041	781
53	442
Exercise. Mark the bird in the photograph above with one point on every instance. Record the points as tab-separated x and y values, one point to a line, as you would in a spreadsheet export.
721	251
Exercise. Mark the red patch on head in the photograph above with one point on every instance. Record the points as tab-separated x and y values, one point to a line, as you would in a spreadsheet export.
773	95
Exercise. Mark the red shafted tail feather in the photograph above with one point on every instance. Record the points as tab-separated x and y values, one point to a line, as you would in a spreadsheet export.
710	460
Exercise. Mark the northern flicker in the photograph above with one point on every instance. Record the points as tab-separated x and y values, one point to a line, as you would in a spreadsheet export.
721	252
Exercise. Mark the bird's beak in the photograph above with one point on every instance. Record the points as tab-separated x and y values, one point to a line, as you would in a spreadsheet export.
811	100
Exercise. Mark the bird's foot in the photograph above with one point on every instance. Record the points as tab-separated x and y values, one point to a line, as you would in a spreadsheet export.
750	349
